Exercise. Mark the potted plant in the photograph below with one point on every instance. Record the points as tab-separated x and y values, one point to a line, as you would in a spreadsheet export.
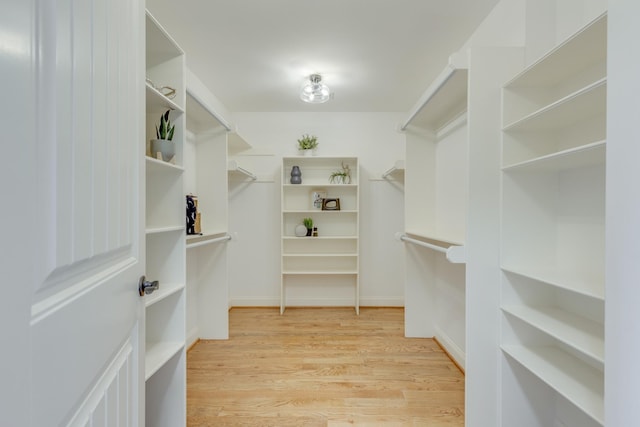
342	176
308	223
164	139
308	144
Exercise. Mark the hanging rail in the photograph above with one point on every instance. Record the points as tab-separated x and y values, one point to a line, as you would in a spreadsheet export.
455	254
209	241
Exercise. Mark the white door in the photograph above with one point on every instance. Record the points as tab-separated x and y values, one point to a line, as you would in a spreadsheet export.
71	236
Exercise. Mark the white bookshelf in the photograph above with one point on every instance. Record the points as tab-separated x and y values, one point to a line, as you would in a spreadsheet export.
331	258
553	227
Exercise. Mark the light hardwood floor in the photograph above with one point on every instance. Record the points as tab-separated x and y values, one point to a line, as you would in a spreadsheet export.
322	367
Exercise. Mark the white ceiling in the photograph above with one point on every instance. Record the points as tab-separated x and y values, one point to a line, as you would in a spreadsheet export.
375	55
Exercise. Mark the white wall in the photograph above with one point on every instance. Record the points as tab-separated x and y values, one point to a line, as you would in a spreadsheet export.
254	209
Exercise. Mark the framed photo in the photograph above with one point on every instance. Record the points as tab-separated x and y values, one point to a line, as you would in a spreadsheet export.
317	196
329	204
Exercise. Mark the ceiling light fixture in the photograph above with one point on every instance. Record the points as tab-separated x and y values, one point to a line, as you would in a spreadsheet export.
315	92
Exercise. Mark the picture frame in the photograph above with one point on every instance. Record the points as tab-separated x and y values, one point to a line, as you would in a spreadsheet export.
317	196
330	204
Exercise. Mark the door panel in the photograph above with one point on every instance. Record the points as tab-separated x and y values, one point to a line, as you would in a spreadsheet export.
86	312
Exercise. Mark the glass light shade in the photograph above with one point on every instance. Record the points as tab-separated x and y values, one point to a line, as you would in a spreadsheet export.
315	92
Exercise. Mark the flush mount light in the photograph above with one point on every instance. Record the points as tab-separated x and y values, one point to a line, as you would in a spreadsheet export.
314	91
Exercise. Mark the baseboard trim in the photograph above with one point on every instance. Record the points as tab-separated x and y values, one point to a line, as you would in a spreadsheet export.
454	352
303	302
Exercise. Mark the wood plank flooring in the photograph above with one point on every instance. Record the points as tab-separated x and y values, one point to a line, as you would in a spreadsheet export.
322	367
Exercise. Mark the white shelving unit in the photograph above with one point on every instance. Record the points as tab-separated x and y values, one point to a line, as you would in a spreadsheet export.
436	193
165	359
332	258
553	228
210	139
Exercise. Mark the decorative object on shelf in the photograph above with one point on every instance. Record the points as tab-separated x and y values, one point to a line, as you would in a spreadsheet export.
296	175
166	91
330	204
308	144
164	134
342	176
193	216
308	223
314	91
300	230
315	232
316	198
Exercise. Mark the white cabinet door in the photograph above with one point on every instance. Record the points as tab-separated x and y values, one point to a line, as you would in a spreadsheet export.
75	177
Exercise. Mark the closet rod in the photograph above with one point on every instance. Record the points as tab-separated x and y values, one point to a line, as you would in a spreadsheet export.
209	242
455	254
436	248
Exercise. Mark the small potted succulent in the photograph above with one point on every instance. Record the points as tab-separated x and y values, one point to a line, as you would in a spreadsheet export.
308	144
308	223
164	139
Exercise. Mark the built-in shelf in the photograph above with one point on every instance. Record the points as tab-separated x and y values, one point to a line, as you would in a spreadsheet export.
577	382
587	286
453	252
168	229
157	102
158	354
155	165
444	100
553	229
587	102
584	335
235	169
164	290
395	172
585	155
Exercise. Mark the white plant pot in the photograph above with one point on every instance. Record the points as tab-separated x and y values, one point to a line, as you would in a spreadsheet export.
165	147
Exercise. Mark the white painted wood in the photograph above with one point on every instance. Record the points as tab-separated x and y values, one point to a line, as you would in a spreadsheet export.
553	227
622	377
577	382
489	68
323	265
165	318
207	175
74	306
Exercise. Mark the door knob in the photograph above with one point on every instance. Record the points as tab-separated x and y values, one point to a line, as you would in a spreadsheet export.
146	287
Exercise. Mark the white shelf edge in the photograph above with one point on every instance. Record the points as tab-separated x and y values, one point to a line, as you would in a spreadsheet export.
313	211
436	238
571	152
319	185
574	380
320	238
317	273
515	82
456	64
168	229
560	282
560	325
455	254
234	168
159	165
209	240
158	354
163	100
395	170
165	290
320	255
523	121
